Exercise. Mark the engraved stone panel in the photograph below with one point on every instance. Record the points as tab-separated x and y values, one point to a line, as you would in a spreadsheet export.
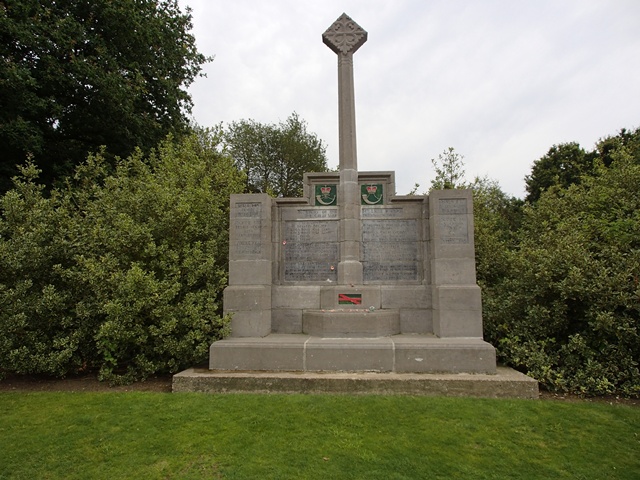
311	231
452	206
246	235
370	212
453	223
390	250
310	251
248	209
317	213
454	229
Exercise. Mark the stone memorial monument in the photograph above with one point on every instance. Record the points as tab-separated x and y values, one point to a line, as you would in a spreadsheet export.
351	277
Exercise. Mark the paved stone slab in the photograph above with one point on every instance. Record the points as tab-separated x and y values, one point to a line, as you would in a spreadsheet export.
506	383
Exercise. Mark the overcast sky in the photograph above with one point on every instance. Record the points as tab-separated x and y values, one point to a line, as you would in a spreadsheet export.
501	81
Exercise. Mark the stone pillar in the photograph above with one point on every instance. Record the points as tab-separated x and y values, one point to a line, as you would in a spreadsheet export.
457	305
344	37
248	296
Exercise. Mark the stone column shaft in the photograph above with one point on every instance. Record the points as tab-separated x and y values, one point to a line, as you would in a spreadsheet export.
344	37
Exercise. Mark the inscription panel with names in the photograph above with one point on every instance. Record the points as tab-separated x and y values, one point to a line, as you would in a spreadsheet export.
452	221
382	212
246	235
452	206
310	251
390	250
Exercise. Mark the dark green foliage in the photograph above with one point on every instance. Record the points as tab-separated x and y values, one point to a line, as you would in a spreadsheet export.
121	272
563	165
567	308
497	218
275	157
78	74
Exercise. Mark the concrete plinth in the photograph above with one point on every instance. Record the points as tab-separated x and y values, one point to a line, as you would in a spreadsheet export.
396	353
506	383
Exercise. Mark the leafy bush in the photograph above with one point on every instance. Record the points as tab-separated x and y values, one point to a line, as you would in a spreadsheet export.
567	306
122	271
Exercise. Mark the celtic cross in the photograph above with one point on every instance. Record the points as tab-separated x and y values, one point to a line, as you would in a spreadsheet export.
344	37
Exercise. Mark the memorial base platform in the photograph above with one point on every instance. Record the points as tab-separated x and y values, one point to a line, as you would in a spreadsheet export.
505	383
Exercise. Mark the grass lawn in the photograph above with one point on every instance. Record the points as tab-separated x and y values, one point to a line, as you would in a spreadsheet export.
165	436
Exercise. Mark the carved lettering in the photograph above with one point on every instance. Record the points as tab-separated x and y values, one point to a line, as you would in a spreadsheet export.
247	248
454	229
311	231
309	272
390	250
309	251
390	271
246	237
369	212
318	213
452	206
389	230
248	209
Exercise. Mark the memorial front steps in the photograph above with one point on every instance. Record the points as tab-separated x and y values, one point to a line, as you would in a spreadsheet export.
350	323
403	353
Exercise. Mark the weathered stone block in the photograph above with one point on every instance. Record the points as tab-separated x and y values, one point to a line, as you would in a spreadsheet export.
247	297
343	324
409	296
295	296
456	297
416	321
286	320
256	323
452	271
433	355
457	323
349	354
285	352
250	272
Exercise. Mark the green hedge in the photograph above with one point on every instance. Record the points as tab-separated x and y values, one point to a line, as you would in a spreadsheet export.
562	302
121	271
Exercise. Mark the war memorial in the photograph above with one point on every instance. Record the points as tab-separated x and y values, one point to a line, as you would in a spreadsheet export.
351	288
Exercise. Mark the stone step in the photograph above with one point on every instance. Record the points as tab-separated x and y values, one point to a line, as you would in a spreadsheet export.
350	323
505	383
396	354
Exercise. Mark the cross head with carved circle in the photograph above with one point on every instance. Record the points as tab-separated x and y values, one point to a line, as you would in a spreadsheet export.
345	36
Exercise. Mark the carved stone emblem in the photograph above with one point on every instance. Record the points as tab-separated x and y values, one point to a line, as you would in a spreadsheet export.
371	194
345	36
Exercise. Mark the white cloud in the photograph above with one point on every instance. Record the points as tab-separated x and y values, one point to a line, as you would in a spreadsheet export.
501	81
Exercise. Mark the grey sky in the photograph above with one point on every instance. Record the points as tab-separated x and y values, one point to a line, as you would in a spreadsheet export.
501	81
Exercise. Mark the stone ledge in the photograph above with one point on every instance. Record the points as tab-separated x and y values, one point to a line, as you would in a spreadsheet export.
506	383
393	354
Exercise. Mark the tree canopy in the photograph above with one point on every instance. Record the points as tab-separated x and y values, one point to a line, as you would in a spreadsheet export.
78	74
275	157
566	164
562	165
